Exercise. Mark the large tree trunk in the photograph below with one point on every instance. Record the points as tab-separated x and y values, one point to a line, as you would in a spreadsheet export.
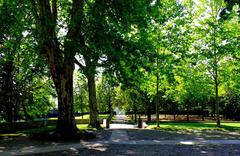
66	126
148	112
94	120
157	99
8	90
187	112
203	113
135	112
217	101
81	102
60	61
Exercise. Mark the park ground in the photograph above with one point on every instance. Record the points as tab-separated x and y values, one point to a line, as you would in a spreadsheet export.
125	139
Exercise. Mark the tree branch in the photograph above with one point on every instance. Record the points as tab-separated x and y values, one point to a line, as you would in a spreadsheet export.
54	10
74	36
76	19
211	72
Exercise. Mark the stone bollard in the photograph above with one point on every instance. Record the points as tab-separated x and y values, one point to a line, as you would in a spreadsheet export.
106	122
140	123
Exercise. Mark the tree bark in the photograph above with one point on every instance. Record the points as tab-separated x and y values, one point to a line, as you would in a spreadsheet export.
81	102
148	112
110	102
203	113
215	76
63	79
60	61
132	114
135	117
217	101
94	120
157	97
187	112
135	112
8	88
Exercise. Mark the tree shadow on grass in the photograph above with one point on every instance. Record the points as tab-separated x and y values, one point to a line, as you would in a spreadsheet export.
195	126
51	135
198	130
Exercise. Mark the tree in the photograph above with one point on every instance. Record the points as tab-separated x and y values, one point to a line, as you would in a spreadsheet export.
10	41
169	38
25	87
105	95
80	94
116	23
60	58
216	45
89	22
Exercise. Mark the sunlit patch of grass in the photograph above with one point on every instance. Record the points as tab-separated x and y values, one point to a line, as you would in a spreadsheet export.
52	118
86	127
12	134
101	116
175	126
83	126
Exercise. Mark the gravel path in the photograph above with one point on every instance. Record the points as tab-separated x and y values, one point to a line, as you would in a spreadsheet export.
151	150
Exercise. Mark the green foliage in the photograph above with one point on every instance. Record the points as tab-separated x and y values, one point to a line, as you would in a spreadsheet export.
23	76
190	45
80	93
106	95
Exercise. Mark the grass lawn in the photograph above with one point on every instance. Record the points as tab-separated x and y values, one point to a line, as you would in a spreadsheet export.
101	116
43	129
175	126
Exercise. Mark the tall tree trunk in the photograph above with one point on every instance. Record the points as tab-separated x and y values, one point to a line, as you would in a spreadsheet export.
135	116
63	79
203	113
81	102
215	75
132	114
94	120
157	97
8	90
148	112
135	112
110	102
217	100
60	62
187	112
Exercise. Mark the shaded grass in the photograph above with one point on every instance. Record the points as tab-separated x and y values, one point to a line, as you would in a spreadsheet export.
175	126
30	131
45	129
39	130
